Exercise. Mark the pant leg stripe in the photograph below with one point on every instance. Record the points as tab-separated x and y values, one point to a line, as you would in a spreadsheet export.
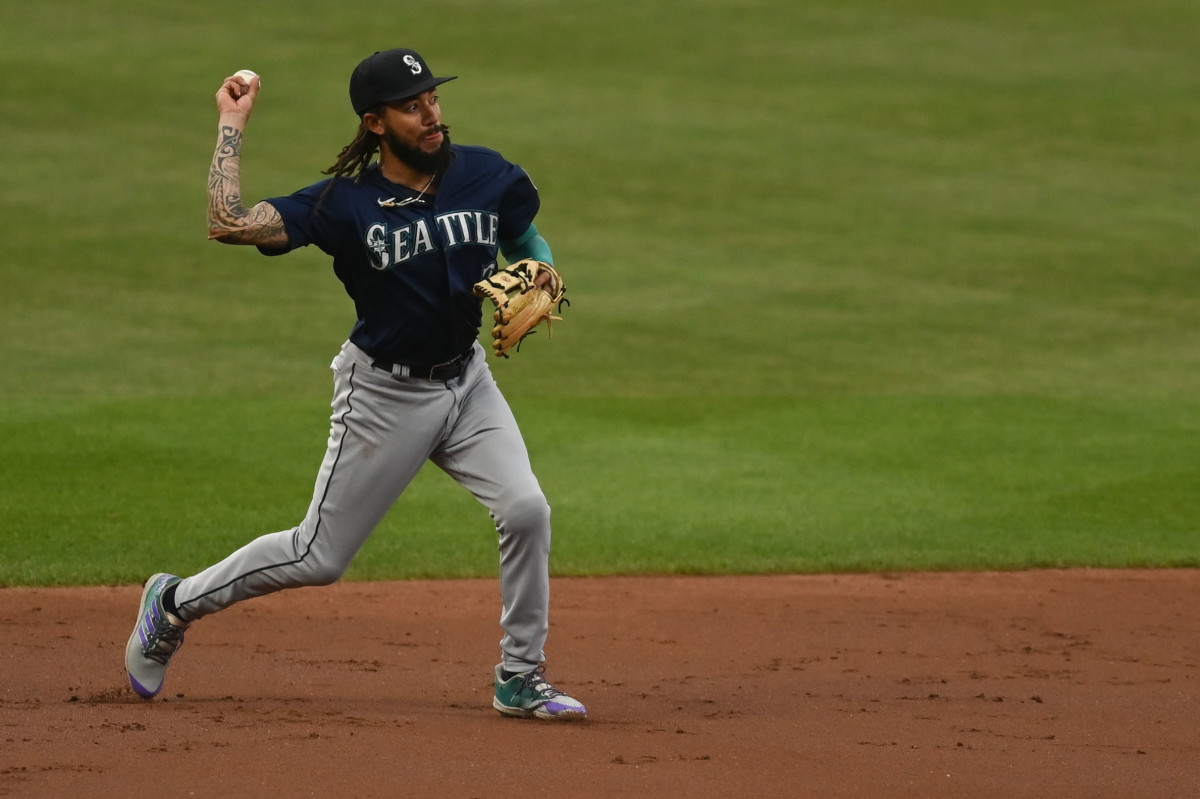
317	527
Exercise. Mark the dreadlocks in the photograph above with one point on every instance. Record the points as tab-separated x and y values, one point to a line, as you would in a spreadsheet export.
353	160
356	156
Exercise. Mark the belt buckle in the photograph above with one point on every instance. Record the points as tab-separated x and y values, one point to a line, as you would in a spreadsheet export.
448	365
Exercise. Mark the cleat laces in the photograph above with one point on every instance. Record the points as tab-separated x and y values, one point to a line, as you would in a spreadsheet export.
535	681
163	640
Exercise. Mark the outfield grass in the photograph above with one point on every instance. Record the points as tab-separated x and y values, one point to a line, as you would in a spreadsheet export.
855	285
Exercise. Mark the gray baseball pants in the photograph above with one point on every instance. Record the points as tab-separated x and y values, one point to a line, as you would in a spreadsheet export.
383	431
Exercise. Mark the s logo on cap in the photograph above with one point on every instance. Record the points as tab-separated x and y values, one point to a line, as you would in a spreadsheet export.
413	64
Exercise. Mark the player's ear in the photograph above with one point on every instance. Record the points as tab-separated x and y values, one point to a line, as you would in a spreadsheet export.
373	122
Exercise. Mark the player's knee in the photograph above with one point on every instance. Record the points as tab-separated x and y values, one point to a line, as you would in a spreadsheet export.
324	572
525	514
318	557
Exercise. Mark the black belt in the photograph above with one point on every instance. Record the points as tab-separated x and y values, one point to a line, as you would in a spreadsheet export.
441	371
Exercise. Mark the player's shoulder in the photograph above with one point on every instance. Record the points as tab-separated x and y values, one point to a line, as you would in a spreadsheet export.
475	163
475	152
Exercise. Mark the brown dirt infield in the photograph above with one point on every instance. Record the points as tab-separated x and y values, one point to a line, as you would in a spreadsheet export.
1072	683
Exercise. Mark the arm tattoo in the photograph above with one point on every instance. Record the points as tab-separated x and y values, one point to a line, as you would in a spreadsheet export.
228	218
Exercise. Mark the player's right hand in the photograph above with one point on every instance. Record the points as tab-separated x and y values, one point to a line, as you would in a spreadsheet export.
236	96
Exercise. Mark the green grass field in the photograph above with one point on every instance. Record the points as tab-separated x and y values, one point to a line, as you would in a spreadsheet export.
855	285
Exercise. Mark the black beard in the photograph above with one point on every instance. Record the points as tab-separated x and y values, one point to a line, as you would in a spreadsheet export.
434	163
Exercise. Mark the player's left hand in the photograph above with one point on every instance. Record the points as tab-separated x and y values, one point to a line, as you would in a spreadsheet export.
548	281
524	296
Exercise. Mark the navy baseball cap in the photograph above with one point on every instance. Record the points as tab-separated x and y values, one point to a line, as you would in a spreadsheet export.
388	76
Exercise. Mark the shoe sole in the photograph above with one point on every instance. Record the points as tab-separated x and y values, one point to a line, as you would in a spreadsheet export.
521	713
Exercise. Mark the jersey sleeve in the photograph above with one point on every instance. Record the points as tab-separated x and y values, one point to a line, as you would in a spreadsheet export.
518	206
308	218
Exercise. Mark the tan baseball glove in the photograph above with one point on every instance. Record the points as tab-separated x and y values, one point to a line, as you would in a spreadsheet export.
521	303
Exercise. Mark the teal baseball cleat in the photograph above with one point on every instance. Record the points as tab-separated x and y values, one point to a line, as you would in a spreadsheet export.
531	695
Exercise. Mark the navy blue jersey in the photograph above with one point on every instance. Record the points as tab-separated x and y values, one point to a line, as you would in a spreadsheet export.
410	267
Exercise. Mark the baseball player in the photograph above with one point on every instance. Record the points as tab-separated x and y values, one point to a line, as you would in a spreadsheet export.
411	222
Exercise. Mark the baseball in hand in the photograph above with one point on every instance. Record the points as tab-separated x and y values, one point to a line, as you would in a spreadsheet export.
246	74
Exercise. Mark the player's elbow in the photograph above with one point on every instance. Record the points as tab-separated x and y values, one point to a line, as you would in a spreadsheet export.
223	235
220	229
259	235
234	235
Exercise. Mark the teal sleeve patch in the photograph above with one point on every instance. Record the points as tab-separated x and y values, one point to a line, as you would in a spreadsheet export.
529	244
